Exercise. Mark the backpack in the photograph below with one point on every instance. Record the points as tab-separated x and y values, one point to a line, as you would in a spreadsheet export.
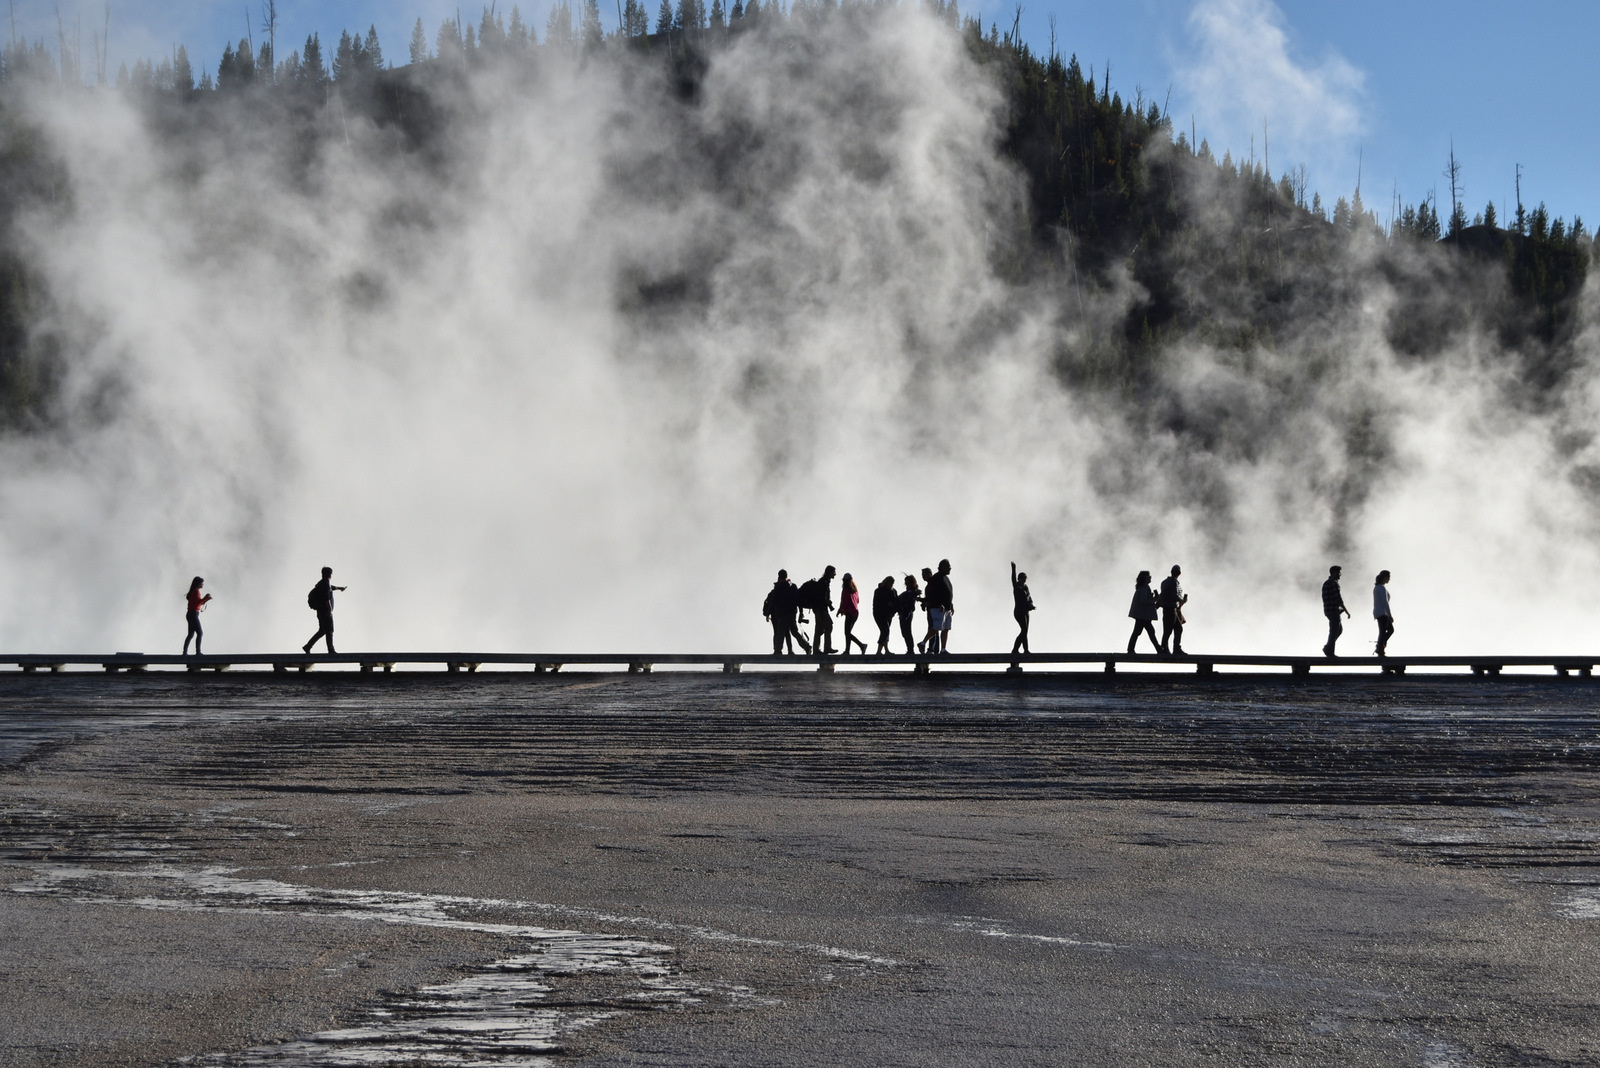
767	607
811	595
317	599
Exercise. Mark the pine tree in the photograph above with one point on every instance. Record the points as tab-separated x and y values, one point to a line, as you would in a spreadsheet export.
183	74
593	34
1489	218
374	51
343	59
664	17
717	19
312	72
419	44
517	34
447	43
227	69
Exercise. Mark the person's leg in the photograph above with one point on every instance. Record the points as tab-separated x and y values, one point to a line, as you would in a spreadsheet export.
1385	632
199	635
1177	639
1022	631
945	622
883	637
1167	623
777	636
326	621
905	632
1022	619
1133	639
1335	628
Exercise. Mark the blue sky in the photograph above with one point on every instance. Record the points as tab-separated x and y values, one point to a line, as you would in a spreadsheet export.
1387	84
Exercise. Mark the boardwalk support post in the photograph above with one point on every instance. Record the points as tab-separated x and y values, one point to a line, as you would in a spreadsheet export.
825	667
921	668
1301	667
730	667
541	669
1014	669
1205	667
639	667
1111	667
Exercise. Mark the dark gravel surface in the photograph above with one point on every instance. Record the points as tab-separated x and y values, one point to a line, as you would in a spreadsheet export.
798	869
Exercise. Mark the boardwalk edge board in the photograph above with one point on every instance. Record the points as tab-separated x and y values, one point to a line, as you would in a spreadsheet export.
645	663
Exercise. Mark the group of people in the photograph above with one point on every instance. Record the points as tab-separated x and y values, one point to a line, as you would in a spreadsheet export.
1169	602
787	604
319	600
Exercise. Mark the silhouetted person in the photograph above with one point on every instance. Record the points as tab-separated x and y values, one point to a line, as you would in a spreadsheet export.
1172	601
1332	605
1021	606
883	611
1381	611
941	597
816	596
906	607
850	609
783	601
1143	612
321	600
930	641
197	604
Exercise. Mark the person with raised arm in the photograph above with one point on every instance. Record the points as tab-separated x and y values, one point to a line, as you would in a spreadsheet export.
1332	605
1021	607
1382	611
321	601
884	611
850	609
1143	612
197	604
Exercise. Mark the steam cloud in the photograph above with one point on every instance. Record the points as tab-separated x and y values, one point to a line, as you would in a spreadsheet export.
588	376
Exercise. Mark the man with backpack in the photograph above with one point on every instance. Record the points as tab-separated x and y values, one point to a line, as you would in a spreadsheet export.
783	600
816	597
320	600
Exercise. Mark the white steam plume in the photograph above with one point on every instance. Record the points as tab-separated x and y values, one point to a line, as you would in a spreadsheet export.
474	383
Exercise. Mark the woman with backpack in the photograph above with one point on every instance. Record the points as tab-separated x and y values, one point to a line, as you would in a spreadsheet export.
850	609
197	604
1143	612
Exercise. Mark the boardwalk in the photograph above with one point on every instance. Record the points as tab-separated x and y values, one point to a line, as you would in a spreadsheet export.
1204	664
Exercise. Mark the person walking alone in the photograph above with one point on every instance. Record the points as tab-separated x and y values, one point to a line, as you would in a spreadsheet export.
884	611
782	602
816	596
1143	612
906	607
321	601
197	604
1021	606
1332	605
1382	612
850	609
1172	601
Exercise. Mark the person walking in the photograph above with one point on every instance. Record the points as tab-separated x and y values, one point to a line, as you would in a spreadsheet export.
1021	607
1382	612
850	609
906	607
941	597
782	602
816	595
197	604
884	611
321	601
1143	612
1172	601
1332	605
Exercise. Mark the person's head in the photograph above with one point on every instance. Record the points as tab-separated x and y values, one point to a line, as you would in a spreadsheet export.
1176	570
1143	579
848	582
944	567
927	573
888	582
1383	577
911	582
828	572
196	583
327	572
783	576
1333	572
1022	576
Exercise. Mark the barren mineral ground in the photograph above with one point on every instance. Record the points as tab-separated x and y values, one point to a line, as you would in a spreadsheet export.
798	869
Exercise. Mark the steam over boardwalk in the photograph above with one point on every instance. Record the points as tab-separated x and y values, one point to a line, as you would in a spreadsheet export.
783	868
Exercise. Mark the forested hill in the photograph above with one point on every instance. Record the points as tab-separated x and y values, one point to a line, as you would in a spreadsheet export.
1196	248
